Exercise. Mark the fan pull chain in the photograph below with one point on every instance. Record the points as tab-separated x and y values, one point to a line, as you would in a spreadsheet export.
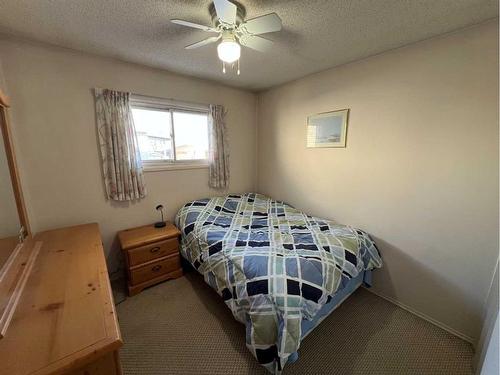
232	67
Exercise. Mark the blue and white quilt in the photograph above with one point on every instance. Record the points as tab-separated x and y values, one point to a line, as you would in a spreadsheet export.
272	264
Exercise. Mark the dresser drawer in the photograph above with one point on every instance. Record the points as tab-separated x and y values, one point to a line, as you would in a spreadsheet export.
155	250
155	269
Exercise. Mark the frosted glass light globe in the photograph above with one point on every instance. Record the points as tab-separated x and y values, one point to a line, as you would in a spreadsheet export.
229	51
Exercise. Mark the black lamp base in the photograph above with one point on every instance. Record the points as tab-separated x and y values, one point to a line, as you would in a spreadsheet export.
160	224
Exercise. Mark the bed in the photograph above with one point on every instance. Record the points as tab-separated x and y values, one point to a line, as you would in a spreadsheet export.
280	271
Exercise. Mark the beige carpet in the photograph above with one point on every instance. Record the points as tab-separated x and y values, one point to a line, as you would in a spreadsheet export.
183	327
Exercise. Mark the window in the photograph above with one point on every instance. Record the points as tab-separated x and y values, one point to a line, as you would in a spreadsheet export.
170	135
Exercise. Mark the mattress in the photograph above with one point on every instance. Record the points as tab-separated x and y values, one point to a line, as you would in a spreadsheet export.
274	266
340	296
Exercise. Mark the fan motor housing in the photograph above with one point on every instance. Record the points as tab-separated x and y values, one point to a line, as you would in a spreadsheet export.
240	13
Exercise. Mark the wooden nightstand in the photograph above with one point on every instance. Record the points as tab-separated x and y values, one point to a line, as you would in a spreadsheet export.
151	255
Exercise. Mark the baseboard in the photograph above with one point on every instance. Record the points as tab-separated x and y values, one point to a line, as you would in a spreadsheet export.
425	317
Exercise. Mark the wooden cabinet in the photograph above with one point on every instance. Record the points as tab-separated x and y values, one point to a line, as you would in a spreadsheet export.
65	321
151	255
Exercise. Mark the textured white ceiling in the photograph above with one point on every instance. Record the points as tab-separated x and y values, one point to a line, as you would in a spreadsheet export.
316	35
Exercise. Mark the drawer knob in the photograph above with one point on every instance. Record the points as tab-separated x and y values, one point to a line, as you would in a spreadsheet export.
156	268
155	249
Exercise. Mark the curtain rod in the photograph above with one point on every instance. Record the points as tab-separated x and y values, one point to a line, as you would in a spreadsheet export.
180	102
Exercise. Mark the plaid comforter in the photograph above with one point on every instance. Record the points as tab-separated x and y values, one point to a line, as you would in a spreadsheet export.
272	264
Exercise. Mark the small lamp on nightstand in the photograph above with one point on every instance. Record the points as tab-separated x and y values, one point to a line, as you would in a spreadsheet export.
160	224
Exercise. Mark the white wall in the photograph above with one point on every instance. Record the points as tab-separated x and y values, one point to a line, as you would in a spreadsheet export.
487	350
55	134
420	171
490	364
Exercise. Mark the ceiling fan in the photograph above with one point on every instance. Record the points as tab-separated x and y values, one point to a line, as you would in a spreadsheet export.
234	32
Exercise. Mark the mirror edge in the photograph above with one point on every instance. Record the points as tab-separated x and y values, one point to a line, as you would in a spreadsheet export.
25	230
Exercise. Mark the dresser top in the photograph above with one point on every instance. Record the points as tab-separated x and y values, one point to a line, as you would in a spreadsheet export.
140	236
66	316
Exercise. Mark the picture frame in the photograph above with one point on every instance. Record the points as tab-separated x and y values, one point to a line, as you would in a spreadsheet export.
328	129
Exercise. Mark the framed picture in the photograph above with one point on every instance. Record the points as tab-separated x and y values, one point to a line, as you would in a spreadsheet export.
327	129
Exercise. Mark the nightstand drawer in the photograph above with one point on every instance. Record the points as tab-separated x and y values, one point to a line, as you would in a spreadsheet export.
155	269
155	250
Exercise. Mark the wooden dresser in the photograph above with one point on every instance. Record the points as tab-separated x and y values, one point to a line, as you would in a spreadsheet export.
65	321
151	255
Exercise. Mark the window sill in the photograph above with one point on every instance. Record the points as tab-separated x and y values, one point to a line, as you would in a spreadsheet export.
173	167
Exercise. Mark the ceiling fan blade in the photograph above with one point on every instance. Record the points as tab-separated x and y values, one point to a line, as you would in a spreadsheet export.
264	24
193	25
226	11
203	42
256	42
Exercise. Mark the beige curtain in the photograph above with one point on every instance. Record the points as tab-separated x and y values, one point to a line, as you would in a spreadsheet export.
218	149
121	160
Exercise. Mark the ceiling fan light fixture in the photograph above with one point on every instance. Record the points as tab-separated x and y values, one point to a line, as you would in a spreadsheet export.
228	22
229	51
